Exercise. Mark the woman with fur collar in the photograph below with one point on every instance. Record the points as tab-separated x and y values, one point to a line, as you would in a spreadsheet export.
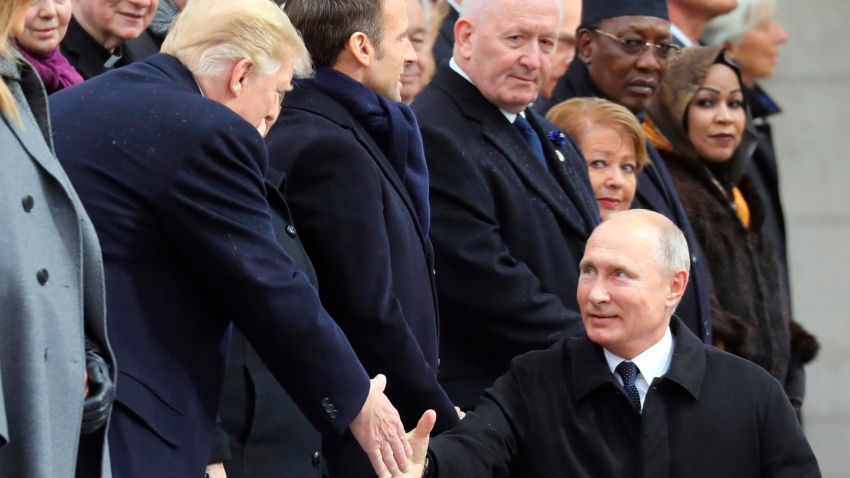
700	125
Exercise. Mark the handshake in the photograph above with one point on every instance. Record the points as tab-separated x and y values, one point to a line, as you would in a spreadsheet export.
379	431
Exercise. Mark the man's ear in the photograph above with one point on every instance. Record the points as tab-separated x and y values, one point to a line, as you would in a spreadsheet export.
585	45
463	35
238	76
361	49
678	284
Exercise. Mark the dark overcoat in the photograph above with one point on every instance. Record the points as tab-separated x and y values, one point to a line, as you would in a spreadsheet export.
712	414
508	233
372	260
444	44
263	434
174	183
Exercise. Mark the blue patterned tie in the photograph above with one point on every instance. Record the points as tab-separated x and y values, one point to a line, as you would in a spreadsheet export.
628	372
524	127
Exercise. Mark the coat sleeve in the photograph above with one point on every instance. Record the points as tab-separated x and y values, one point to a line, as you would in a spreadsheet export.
785	451
499	297
215	211
486	442
337	198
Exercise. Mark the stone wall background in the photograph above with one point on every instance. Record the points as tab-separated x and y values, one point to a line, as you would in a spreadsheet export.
812	84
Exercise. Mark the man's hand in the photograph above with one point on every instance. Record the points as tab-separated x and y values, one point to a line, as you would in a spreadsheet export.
418	439
379	431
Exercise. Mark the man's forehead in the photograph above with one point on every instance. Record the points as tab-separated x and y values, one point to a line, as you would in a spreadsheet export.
637	23
624	237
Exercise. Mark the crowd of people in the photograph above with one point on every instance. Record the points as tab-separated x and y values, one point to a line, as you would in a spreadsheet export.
359	238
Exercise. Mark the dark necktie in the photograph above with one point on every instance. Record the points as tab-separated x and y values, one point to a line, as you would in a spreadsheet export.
628	372
524	127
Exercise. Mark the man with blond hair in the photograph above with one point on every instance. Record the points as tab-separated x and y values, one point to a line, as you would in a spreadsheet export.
168	158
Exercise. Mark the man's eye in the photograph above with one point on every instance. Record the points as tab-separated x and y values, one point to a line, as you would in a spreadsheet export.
632	44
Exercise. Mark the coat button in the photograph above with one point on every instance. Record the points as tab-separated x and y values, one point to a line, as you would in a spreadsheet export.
42	276
28	202
290	230
333	414
317	458
326	402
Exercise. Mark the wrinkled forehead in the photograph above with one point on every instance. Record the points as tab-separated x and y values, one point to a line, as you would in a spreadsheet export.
626	239
543	14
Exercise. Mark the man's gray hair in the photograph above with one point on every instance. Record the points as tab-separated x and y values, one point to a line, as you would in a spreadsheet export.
731	27
671	251
478	10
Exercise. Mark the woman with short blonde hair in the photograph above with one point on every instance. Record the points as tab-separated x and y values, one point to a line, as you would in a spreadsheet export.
613	145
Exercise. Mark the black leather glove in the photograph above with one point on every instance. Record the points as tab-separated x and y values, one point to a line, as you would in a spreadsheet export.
98	405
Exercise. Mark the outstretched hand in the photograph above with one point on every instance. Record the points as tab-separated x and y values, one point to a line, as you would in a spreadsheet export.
379	431
419	438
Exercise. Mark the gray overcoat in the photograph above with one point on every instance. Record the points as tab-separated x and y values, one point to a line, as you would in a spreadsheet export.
51	293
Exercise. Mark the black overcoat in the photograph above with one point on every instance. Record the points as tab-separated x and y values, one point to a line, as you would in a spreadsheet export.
560	412
508	234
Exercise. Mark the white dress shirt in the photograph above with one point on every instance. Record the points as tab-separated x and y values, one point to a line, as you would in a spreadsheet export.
652	362
454	5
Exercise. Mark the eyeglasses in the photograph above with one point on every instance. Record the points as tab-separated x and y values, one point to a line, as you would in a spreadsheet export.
635	47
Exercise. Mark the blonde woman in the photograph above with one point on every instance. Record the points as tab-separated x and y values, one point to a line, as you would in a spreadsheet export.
55	364
613	145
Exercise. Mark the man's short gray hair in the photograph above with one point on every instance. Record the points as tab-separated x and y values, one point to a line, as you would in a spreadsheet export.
731	27
477	10
671	252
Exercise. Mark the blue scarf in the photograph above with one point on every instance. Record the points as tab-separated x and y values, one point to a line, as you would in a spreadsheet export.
390	124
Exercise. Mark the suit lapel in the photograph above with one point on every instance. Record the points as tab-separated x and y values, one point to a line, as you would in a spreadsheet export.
497	130
568	167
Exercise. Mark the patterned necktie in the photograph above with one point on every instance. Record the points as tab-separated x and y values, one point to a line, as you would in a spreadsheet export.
524	127
628	372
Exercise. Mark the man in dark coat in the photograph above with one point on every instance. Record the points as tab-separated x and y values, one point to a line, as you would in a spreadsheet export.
262	432
168	158
606	67
512	207
107	34
445	41
358	187
689	17
639	396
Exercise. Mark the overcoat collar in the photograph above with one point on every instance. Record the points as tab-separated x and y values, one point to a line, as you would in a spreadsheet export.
589	370
316	102
33	127
498	131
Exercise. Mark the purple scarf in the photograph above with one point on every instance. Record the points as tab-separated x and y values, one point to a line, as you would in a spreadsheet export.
55	71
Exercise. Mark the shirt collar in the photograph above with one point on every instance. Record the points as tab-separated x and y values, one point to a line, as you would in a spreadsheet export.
511	117
652	362
454	5
678	34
